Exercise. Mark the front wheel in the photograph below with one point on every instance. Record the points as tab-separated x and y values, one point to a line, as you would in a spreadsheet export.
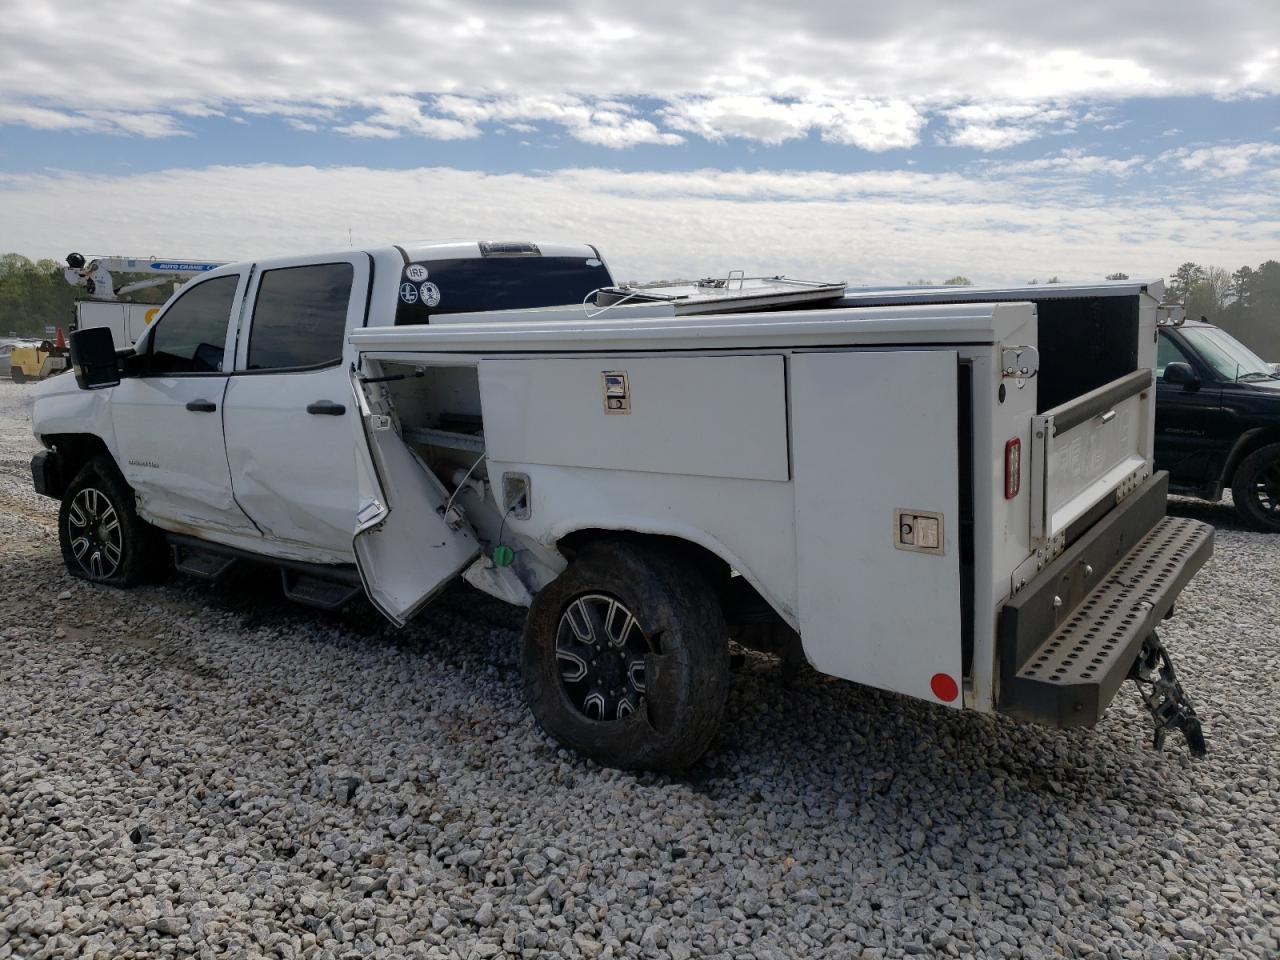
102	537
1255	488
625	657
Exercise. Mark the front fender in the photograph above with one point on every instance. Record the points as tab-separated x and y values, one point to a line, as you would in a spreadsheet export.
62	408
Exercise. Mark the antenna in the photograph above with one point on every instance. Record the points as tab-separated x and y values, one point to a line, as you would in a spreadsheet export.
348	236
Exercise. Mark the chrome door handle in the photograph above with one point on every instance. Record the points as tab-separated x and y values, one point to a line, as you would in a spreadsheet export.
201	406
326	408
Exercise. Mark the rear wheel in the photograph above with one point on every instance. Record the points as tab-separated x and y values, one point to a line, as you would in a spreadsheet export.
626	657
1255	488
16	375
102	537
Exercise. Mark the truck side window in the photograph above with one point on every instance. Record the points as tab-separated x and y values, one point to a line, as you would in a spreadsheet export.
300	316
1167	352
190	337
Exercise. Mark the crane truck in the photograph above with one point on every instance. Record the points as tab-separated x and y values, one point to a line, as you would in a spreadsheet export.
127	321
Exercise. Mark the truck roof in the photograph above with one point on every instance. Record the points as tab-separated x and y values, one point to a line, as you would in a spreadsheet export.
416	251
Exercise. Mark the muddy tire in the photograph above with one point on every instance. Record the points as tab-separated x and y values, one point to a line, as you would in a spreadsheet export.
625	657
102	537
1255	488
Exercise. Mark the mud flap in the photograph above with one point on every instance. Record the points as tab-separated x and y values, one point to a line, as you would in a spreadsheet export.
1160	691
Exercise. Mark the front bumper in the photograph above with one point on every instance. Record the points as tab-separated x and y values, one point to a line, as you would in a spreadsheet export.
1068	639
46	474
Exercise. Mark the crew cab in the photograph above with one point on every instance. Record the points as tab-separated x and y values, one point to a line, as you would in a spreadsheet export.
953	501
1218	420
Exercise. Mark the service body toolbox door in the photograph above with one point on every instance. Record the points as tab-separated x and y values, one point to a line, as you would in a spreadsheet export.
288	407
875	451
406	547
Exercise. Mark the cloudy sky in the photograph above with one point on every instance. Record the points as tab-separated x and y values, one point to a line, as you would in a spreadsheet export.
872	143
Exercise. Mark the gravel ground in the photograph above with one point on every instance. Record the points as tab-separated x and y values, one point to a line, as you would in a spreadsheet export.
212	771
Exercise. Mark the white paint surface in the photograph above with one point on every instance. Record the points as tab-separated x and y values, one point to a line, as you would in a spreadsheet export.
874	432
693	416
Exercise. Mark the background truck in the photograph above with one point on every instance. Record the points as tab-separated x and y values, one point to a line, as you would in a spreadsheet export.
943	500
1218	420
127	321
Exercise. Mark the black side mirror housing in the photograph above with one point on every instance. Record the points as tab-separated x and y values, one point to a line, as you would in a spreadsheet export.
1179	372
93	358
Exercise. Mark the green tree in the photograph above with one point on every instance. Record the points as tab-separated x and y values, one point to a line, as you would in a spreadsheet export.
1117	276
1183	279
958	281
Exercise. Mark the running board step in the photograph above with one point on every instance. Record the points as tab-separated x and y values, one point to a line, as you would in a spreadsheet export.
202	564
1069	680
318	592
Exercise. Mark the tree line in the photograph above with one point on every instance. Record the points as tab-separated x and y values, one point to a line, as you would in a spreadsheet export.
1245	302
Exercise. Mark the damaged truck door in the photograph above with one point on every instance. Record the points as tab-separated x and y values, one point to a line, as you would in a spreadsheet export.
287	410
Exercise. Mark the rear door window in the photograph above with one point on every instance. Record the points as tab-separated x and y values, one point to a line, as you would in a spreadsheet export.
300	317
192	334
435	287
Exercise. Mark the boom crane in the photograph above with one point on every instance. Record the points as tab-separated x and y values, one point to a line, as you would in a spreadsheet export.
95	274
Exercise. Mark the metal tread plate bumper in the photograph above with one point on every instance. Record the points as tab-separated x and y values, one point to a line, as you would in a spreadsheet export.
1069	639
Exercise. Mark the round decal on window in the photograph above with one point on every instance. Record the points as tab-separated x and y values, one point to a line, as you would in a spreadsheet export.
430	294
409	293
416	272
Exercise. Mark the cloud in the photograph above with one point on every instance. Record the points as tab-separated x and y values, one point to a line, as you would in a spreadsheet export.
997	126
866	78
865	123
149	125
880	226
1073	162
397	115
1224	160
606	123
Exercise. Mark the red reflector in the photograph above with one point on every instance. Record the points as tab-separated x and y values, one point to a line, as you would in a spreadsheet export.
1012	468
944	688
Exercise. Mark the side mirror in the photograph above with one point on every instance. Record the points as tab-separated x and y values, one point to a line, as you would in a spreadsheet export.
93	358
1181	373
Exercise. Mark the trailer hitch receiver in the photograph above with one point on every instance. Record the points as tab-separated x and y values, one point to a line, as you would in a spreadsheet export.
1159	689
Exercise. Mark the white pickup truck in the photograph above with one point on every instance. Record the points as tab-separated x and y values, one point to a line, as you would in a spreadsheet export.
951	500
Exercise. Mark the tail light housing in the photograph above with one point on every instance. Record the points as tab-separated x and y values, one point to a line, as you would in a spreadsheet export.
1012	468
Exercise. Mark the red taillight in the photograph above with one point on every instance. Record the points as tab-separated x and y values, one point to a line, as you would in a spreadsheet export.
1012	468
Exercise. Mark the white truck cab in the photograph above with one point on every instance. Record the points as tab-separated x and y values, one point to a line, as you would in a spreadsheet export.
951	500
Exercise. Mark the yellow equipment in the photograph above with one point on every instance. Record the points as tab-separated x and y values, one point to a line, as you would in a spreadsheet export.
35	361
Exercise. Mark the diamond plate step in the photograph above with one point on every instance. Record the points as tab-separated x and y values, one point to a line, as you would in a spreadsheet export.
1069	679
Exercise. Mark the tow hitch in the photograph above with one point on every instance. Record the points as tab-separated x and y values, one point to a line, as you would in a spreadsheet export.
1159	689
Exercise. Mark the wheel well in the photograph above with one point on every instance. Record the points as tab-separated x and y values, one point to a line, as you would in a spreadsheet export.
74	451
1247	443
740	602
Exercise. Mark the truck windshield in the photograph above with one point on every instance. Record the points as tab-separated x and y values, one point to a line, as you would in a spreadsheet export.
1228	357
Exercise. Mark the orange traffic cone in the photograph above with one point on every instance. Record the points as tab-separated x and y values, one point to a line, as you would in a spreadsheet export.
61	342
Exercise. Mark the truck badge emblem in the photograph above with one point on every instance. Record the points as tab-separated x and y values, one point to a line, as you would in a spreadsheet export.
416	272
409	293
617	392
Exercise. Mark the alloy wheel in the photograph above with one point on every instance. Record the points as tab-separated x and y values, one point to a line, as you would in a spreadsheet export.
97	540
601	653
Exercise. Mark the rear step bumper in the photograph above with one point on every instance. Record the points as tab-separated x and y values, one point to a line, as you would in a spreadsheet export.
1069	638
